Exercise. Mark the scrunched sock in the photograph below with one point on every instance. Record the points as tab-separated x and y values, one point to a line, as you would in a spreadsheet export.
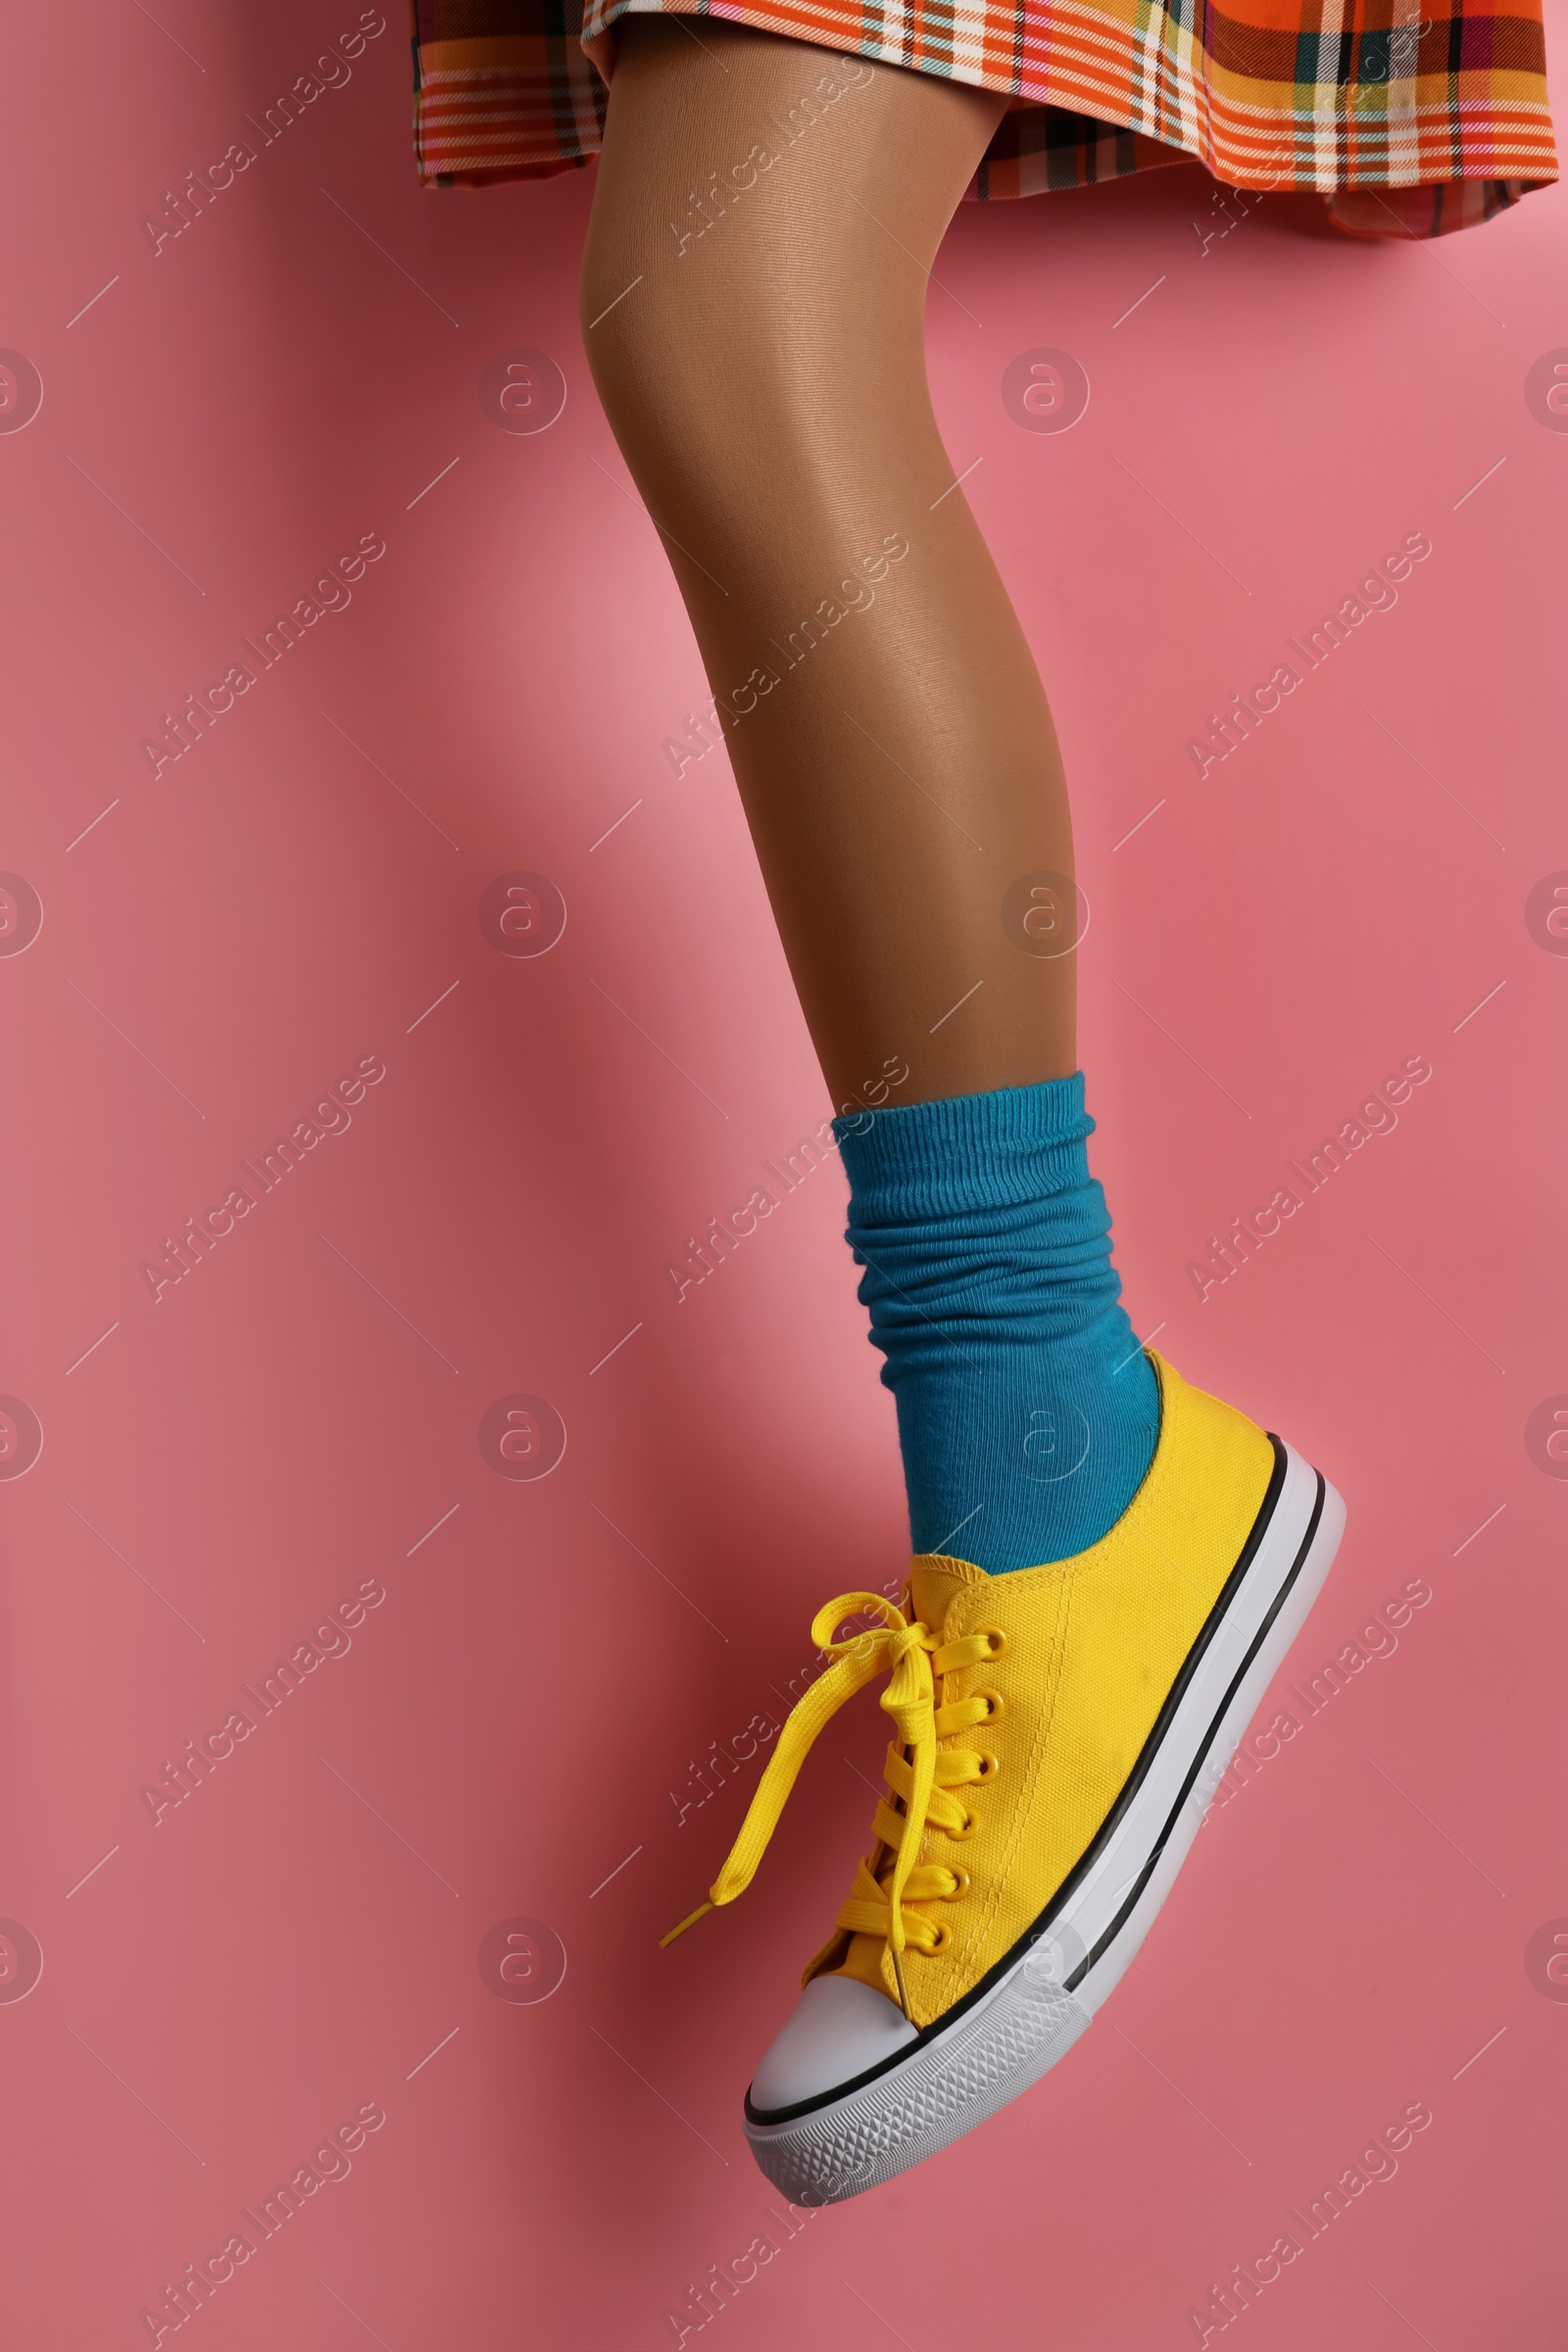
1027	1410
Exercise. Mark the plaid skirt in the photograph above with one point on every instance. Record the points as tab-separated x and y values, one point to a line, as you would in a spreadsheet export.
1405	124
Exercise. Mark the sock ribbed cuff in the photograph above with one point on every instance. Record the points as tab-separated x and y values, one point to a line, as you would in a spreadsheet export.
1015	1144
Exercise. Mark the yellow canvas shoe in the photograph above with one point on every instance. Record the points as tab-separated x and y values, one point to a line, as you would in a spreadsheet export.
1058	1733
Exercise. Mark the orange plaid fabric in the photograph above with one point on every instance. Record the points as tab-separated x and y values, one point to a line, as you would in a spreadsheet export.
1405	123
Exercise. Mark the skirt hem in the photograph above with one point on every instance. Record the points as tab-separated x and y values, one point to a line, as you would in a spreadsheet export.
1403	155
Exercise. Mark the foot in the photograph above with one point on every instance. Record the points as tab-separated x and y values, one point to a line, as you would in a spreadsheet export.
1059	1733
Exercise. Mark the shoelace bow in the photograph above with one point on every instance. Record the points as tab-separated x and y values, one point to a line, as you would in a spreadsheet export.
919	1771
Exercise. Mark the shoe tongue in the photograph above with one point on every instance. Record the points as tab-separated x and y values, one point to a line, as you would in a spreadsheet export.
935	1583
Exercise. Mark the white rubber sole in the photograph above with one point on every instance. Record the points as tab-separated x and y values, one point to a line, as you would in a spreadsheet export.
964	2070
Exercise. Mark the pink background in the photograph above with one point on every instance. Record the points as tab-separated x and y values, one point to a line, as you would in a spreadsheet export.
224	1987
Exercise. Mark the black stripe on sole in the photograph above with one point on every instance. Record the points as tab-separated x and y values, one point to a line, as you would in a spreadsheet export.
1240	1676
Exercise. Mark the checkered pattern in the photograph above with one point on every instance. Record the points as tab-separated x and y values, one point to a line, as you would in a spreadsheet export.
1404	124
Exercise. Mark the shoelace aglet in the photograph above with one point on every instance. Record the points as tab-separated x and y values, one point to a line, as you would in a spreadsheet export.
897	1971
690	1921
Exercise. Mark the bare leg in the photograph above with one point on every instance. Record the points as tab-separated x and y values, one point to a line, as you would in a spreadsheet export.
761	361
766	379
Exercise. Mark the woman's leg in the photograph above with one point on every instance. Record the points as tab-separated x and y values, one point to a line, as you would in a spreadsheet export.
766	379
764	222
761	358
764	225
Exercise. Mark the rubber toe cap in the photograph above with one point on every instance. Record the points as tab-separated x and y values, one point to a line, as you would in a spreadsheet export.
837	2029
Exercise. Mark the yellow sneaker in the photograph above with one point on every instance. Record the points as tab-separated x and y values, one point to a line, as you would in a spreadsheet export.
1059	1732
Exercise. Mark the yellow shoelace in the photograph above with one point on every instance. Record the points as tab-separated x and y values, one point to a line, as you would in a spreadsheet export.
919	1773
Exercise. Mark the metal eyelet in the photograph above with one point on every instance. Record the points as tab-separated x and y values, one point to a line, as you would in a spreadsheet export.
944	1937
996	1704
996	1640
988	1767
961	1882
967	1828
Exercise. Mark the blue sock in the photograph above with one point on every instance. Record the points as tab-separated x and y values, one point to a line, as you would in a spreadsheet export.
1027	1410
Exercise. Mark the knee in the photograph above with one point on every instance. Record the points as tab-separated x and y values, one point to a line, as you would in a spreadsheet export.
655	353
627	347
